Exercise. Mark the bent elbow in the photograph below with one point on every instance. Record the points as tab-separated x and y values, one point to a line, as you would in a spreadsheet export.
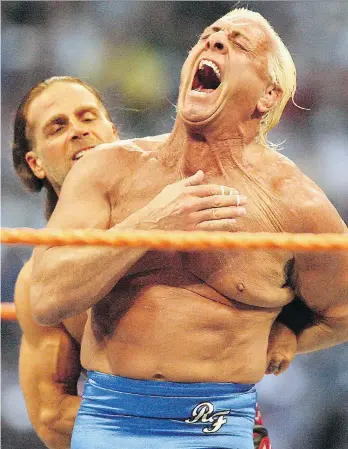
43	310
45	319
49	433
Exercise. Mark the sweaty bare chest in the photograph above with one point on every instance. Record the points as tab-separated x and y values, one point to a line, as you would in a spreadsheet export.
252	277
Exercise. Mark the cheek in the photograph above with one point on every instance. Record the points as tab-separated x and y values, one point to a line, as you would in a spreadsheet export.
192	56
184	72
54	153
251	79
261	71
108	134
104	131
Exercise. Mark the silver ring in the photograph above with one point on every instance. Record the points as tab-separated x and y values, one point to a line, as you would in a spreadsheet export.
222	190
238	200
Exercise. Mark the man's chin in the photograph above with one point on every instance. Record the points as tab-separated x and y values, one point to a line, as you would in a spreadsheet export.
200	109
198	117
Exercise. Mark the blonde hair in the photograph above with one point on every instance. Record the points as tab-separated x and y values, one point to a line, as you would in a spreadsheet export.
282	71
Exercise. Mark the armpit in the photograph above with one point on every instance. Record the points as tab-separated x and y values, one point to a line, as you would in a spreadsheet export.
297	316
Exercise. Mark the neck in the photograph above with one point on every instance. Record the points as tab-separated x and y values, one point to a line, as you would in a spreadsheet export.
52	195
188	151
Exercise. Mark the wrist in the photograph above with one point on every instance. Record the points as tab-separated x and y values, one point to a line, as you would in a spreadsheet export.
139	220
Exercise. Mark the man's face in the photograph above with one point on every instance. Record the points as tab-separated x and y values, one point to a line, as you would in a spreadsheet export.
64	120
226	72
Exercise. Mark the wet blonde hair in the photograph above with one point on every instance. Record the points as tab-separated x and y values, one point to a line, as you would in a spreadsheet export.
282	72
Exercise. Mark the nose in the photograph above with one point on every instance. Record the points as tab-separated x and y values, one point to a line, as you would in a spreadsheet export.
217	41
78	130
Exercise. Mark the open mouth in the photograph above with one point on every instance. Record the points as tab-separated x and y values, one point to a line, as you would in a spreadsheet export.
80	153
207	77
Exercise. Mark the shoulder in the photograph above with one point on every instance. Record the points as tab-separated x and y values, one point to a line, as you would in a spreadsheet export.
309	206
22	288
121	151
108	162
135	146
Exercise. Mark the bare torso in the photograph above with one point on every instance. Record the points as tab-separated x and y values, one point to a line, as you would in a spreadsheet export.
195	316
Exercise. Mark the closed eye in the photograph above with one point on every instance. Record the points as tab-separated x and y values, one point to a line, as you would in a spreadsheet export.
240	45
56	129
88	116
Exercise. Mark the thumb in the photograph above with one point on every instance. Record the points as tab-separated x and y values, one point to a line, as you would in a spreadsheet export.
195	179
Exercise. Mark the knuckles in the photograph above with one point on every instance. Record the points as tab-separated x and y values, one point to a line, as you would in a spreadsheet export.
216	201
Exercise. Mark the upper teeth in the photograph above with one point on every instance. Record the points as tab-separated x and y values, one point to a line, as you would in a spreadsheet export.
80	154
212	65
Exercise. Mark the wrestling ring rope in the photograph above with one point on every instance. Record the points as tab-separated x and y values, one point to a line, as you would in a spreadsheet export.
169	240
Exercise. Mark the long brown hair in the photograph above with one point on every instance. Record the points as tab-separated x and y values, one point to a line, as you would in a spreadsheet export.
22	143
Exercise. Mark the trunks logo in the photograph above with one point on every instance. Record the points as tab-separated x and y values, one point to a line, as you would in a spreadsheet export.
204	413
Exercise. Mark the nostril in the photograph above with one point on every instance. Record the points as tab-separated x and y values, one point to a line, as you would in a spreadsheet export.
219	45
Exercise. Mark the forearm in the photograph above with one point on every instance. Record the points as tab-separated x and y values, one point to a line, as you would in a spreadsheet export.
56	425
70	280
322	336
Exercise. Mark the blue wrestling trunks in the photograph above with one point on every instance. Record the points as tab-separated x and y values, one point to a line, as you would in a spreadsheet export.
121	413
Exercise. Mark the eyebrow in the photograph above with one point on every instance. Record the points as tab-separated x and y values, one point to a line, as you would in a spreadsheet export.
234	33
87	108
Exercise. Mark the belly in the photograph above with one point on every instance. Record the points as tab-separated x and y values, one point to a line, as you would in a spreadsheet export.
169	325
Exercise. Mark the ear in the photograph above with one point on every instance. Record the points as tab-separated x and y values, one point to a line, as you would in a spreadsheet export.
271	97
35	164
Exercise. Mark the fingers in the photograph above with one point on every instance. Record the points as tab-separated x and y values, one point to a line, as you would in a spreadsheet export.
194	180
219	201
273	368
277	367
219	213
210	207
205	190
283	367
227	224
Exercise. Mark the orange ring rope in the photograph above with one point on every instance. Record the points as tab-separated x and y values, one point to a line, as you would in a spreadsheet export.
8	311
176	240
199	240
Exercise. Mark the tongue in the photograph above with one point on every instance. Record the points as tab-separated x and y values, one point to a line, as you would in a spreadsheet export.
208	78
202	89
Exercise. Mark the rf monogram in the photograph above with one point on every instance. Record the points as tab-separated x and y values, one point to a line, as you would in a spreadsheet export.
204	413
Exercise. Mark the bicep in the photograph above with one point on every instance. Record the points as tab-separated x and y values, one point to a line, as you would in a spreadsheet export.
49	368
49	357
321	279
